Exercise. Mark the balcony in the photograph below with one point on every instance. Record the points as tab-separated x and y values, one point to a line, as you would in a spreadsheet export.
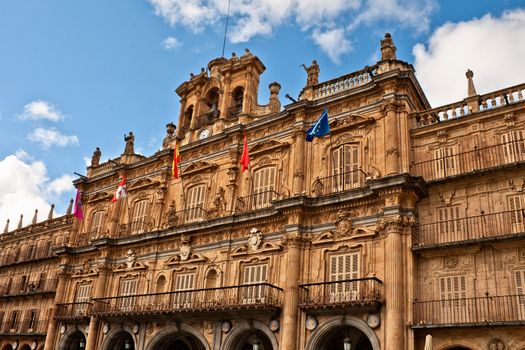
34	287
135	227
359	294
260	297
25	327
206	119
26	255
233	112
501	225
471	161
255	201
73	311
470	312
342	182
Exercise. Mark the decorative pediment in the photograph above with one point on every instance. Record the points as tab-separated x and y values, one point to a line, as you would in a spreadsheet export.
267	146
352	120
326	237
131	267
100	196
142	183
198	167
242	250
85	273
193	257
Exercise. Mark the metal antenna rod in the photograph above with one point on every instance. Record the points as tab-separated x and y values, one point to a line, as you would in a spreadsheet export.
226	28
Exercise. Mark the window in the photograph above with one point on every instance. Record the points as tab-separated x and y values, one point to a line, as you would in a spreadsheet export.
453	293
195	203
263	187
344	267
187	117
23	284
14	319
345	161
138	218
97	222
82	299
254	274
516	213
449	224
31	320
519	277
128	288
513	146
446	162
30	252
184	282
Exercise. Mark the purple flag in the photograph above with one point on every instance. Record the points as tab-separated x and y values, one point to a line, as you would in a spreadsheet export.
77	212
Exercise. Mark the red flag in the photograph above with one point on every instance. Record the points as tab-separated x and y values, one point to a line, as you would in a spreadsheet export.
245	158
121	190
175	163
77	212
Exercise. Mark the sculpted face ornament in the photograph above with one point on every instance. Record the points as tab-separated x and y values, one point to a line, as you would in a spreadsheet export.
255	238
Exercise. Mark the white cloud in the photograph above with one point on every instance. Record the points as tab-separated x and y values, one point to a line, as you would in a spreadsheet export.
490	46
51	137
24	187
41	110
250	18
332	42
171	43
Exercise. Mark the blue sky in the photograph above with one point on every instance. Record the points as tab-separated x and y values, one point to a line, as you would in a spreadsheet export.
75	75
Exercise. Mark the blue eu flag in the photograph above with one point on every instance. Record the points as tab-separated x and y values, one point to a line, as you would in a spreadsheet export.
320	128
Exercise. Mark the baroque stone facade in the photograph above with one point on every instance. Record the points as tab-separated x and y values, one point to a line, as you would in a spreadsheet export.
406	222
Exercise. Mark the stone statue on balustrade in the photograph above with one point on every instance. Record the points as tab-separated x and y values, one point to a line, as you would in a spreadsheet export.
313	73
388	49
95	159
130	142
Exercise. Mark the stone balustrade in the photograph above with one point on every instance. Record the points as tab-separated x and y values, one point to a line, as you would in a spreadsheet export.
345	82
463	108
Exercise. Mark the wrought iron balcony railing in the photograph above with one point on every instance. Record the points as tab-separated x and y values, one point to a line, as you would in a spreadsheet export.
206	118
255	201
73	311
507	309
233	112
26	255
135	227
357	293
27	288
471	161
472	228
235	298
29	327
342	182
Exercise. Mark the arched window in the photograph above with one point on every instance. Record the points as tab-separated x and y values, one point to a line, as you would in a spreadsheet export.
138	217
187	117
236	107
263	187
97	221
195	203
346	172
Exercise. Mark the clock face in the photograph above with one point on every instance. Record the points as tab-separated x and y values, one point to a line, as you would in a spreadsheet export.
204	134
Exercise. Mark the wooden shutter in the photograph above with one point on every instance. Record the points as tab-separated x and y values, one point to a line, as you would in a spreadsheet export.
453	287
128	288
345	166
195	203
82	298
513	146
449	223
514	204
139	216
519	277
96	221
344	267
263	185
254	274
184	282
445	162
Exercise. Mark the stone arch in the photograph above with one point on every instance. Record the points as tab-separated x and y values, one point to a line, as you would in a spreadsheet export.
169	331
116	332
323	330
67	337
24	347
7	347
243	327
459	345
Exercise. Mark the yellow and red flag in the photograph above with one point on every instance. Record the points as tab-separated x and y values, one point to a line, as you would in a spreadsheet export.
175	163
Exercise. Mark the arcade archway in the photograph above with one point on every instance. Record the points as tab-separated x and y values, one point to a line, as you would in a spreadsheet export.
178	338
74	341
121	341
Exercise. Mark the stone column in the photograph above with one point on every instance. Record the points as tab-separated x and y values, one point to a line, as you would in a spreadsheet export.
290	320
226	96
391	139
59	298
299	160
394	283
180	134
100	292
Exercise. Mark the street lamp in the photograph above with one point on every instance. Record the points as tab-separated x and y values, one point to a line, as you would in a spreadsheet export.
127	345
347	344
255	345
82	344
